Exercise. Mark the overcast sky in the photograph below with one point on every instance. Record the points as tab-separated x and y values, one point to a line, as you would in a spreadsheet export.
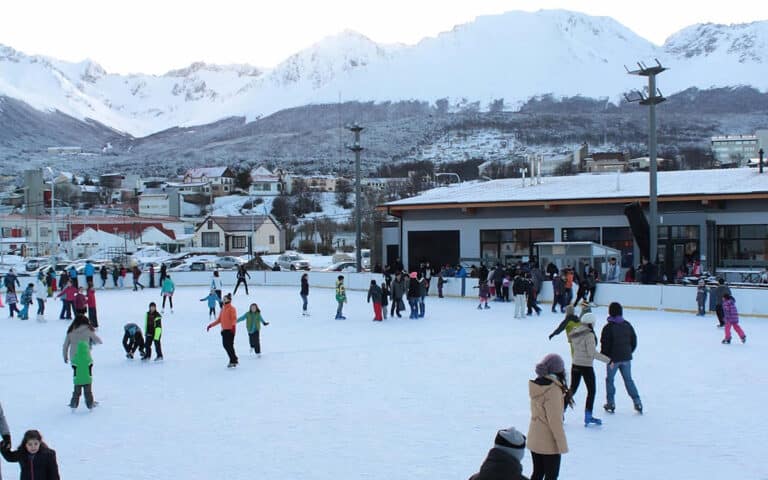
159	35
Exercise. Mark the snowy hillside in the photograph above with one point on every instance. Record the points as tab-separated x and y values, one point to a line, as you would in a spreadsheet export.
514	56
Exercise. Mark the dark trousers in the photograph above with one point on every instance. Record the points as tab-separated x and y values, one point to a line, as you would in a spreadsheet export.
148	347
254	341
40	306
92	318
170	301
532	305
720	314
395	310
303	300
79	389
133	343
239	281
211	311
66	310
89	280
151	280
218	294
577	372
228	341
545	467
580	293
505	293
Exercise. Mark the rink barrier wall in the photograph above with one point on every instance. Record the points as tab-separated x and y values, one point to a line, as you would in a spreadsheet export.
679	298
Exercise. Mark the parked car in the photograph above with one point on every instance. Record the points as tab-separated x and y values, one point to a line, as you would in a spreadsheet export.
345	266
229	262
202	266
292	261
35	263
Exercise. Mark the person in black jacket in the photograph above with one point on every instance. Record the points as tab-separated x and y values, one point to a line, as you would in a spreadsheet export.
241	274
503	460
375	294
153	329
36	460
413	295
618	341
304	293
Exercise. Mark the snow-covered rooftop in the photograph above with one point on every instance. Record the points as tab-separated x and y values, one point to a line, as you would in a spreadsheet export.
595	187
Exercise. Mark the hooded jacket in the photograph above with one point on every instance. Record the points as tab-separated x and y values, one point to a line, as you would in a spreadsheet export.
40	466
730	313
546	435
499	465
618	340
82	363
584	346
83	333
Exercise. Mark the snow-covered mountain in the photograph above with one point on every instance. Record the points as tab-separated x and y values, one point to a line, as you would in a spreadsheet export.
514	56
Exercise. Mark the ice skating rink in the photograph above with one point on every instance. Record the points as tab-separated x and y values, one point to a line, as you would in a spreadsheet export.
402	399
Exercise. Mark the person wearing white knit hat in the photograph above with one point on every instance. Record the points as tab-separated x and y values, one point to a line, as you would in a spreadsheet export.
504	459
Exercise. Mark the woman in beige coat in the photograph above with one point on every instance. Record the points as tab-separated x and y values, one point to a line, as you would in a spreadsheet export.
546	436
584	348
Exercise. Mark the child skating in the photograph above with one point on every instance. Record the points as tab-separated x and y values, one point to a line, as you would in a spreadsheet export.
701	298
133	339
153	327
341	298
253	323
26	301
374	293
484	294
166	290
36	460
213	300
731	318
82	371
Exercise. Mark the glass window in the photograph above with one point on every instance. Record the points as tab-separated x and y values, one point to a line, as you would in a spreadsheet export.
742	245
210	239
512	245
489	235
271	239
239	242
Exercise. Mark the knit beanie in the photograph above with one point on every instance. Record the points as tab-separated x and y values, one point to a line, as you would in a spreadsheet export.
552	363
512	441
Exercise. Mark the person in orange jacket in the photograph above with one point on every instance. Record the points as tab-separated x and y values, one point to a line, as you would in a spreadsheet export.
228	321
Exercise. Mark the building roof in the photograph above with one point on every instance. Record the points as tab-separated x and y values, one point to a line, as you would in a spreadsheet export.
210	172
594	188
261	174
240	223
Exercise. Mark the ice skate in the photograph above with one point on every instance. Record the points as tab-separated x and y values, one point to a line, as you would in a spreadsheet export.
590	420
726	341
744	339
609	407
639	408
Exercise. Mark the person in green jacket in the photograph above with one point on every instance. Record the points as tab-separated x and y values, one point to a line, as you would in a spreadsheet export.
153	329
82	367
253	323
341	297
166	290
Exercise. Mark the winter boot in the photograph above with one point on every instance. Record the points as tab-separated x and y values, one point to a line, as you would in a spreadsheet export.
588	418
487	307
744	339
609	407
480	307
726	341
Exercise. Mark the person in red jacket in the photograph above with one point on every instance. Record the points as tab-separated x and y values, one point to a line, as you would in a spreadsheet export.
91	296
67	296
228	321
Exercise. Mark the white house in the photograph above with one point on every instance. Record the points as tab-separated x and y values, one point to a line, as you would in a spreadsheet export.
220	179
238	234
159	202
265	183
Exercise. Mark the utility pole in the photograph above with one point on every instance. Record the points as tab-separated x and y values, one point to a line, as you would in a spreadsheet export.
355	147
653	98
761	153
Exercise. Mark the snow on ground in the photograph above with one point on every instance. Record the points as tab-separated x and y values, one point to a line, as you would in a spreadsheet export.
402	399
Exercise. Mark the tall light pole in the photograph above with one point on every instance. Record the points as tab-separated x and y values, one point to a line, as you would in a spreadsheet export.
652	98
355	147
53	216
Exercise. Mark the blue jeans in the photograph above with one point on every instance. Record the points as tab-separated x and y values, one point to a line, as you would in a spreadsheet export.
629	384
421	306
340	308
413	303
304	299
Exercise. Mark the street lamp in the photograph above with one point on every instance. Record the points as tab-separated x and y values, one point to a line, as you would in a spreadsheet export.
53	216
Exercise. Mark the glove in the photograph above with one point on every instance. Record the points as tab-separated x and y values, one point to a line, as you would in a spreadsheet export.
6	443
550	337
208	328
266	323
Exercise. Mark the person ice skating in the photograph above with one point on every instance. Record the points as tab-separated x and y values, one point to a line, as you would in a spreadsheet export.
163	273
304	293
242	274
82	373
89	270
423	285
136	271
569	322
90	296
484	293
72	274
212	300
80	301
217	285
413	295
731	317
546	435
228	321
701	298
618	341
253	323
80	330
375	294
104	275
166	290
584	350
530	296
11	281
11	300
503	461
518	290
26	301
116	276
440	283
558	293
67	296
153	331
39	293
133	339
341	298
398	290
5	435
151	275
613	271
384	298
720	291
36	460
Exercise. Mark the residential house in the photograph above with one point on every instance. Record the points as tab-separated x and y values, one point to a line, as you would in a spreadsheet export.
265	183
220	179
240	234
163	202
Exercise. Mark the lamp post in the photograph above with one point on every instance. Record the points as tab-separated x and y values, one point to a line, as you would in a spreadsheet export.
53	216
355	147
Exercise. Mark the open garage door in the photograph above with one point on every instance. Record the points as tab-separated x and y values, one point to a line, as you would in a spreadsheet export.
437	247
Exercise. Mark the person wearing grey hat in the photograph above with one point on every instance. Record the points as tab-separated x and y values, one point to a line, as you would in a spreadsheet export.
546	435
504	459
